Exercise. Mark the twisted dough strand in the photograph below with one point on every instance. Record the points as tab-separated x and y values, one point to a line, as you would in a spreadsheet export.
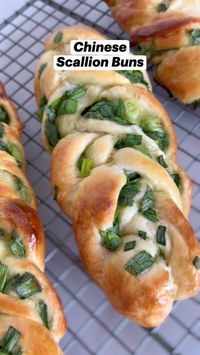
168	31
114	173
28	302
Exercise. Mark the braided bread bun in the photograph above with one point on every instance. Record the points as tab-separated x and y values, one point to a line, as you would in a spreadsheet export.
30	310
168	31
114	174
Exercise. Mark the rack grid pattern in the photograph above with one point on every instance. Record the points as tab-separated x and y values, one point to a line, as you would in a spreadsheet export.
94	328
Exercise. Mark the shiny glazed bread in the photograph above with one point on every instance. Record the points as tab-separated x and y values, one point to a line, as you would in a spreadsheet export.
114	173
31	316
168	32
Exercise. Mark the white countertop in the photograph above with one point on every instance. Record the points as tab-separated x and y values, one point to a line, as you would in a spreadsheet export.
8	8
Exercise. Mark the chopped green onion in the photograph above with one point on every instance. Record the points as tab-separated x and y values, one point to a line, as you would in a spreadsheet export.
161	254
43	313
142	234
10	340
16	245
139	263
4	116
152	127
26	285
177	179
58	37
195	37
128	192
162	161
111	240
151	215
130	245
129	141
41	69
55	192
42	104
160	235
3	276
162	7
147	200
86	167
196	262
143	150
132	176
23	190
16	152
68	106
134	76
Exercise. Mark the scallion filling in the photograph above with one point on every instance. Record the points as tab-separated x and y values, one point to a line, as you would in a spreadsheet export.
3	276
111	239
25	285
146	206
41	69
23	190
152	127
177	179
66	104
196	262
58	37
9	342
42	105
134	76
162	161
85	166
195	37
130	245
4	116
142	234
129	190
139	263
16	245
160	235
43	313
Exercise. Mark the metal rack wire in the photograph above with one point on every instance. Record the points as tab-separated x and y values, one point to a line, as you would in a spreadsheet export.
94	328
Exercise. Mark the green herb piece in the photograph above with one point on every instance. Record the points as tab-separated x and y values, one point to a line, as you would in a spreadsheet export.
128	192
151	215
43	312
86	167
134	76
42	104
139	263
16	152
196	262
151	126
130	245
142	235
177	179
195	37
148	51
58	37
26	285
147	200
10	340
41	69
162	161
160	235
16	245
66	104
69	106
132	176
3	276
129	141
132	111
55	192
18	351
23	190
4	116
143	150
162	7
110	240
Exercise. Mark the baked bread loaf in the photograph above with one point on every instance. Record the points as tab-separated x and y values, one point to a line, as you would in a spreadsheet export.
114	173
168	32
31	316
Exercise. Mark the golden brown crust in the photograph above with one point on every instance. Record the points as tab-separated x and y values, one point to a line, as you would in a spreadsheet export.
19	221
35	338
167	34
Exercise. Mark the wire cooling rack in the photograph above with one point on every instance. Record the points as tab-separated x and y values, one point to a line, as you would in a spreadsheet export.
94	328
